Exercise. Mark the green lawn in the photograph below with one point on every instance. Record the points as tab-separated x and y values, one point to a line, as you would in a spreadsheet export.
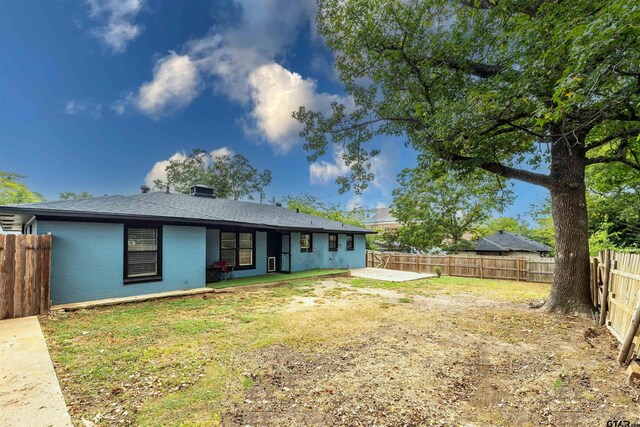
336	351
274	277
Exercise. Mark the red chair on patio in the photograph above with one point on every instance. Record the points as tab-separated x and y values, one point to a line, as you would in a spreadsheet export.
224	271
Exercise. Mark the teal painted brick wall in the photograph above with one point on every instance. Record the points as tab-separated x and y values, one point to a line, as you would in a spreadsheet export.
321	257
87	261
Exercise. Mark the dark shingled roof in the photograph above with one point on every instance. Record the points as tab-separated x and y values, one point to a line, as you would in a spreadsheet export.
182	208
504	241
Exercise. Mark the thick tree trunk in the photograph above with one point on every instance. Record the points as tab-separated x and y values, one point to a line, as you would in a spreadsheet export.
570	291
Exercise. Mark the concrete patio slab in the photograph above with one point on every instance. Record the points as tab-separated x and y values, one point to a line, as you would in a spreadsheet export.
389	275
29	391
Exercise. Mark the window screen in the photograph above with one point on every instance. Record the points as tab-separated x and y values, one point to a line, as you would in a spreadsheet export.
333	242
228	248
245	250
142	252
349	242
305	242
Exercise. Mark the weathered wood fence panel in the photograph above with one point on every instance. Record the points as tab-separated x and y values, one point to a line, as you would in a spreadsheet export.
466	266
25	263
616	290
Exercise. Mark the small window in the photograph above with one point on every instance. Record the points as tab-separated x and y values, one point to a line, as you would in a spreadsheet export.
143	255
306	243
333	242
245	251
228	248
350	242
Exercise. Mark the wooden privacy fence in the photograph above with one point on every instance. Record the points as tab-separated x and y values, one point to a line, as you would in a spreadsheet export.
466	266
25	264
615	283
615	290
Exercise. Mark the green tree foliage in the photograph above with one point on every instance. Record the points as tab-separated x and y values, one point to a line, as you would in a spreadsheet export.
493	225
13	190
508	87
312	205
72	195
542	231
437	206
614	205
230	177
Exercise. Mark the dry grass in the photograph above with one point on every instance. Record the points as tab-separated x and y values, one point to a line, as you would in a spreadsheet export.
340	352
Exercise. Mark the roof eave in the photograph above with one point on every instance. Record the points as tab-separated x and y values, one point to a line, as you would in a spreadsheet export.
68	214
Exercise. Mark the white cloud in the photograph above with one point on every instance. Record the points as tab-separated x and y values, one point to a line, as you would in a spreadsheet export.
354	203
120	106
238	60
174	85
275	93
381	205
222	151
117	17
158	171
84	108
323	172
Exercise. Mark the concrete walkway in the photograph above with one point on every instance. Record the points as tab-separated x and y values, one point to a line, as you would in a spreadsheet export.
389	275
125	300
29	391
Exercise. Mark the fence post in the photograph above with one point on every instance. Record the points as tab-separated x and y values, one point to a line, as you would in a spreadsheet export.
29	301
605	286
3	278
594	281
18	275
448	265
45	300
481	269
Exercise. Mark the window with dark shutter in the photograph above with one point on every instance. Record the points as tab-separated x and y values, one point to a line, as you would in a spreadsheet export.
143	255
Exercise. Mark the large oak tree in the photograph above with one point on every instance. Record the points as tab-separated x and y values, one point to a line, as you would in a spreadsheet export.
531	90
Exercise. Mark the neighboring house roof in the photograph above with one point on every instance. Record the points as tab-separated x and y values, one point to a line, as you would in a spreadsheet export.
504	241
376	216
180	208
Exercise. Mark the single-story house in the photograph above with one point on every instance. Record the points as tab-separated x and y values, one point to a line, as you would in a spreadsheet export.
505	243
118	246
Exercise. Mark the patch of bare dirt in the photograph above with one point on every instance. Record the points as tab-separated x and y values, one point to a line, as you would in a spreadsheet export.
551	371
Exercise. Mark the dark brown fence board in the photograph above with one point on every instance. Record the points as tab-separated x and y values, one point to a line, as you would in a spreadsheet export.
25	262
9	267
3	278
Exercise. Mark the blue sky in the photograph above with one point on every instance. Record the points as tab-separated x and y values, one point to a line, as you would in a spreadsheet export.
96	94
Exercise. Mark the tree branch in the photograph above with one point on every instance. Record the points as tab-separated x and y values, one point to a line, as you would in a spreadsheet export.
620	156
614	159
628	132
506	171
